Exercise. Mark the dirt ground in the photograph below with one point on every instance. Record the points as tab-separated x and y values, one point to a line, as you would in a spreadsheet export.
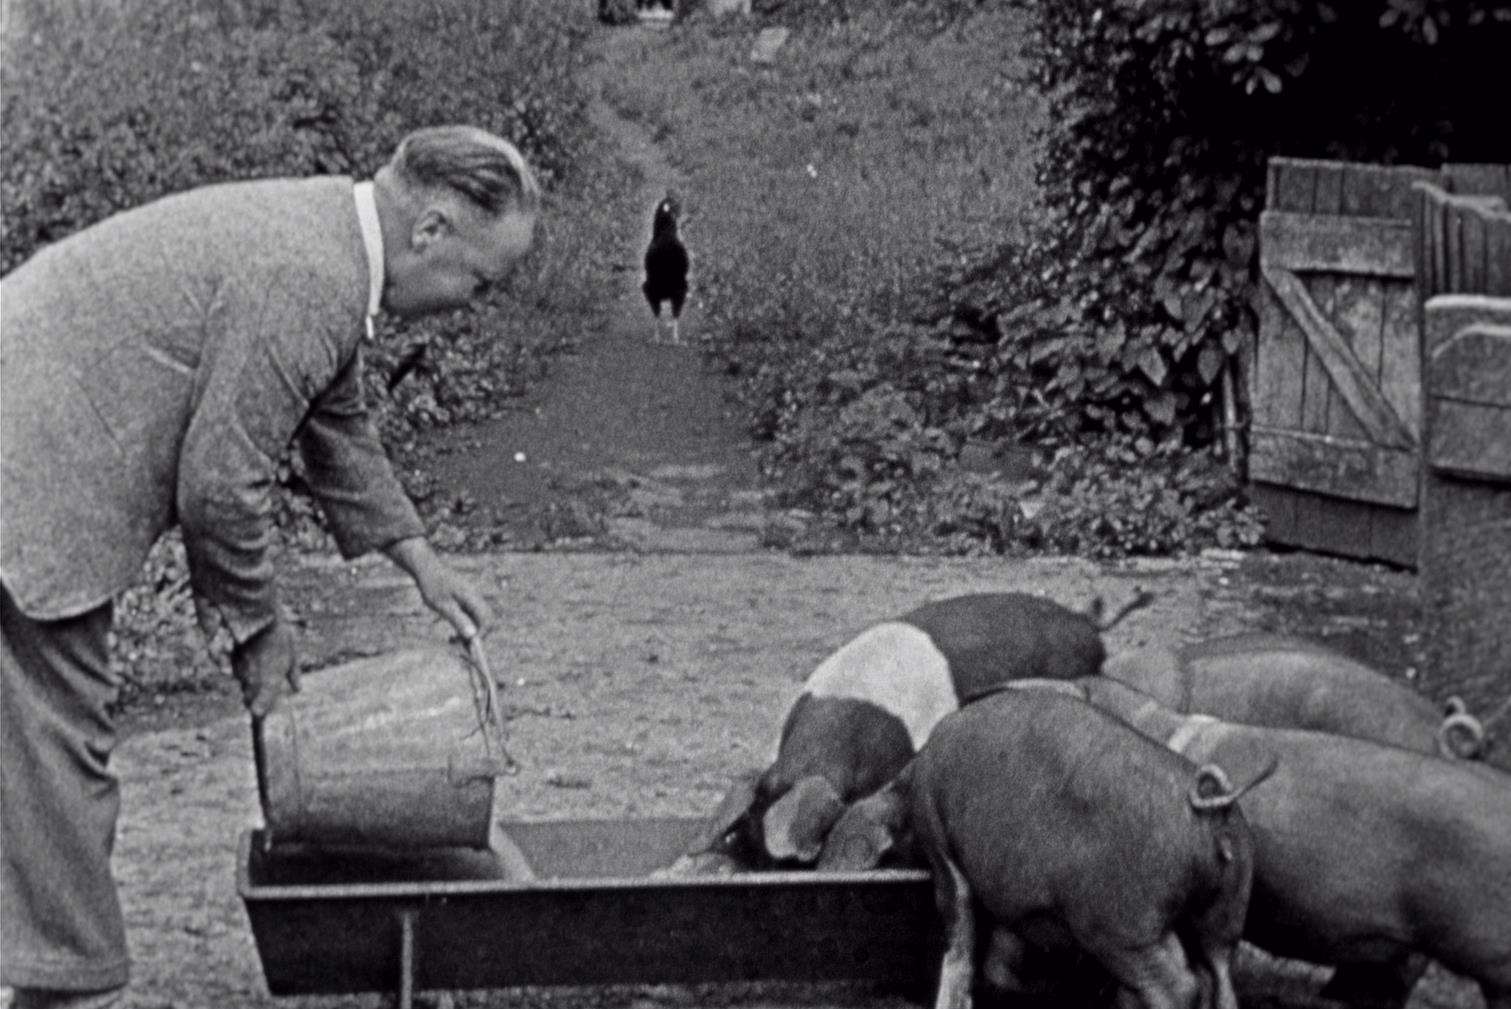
630	443
637	680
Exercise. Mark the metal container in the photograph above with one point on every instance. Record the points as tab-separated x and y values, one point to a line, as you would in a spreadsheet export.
393	751
593	914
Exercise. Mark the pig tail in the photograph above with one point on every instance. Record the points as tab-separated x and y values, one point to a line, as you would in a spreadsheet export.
1463	736
1213	790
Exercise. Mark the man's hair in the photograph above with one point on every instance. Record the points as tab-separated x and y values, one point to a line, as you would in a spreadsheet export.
472	162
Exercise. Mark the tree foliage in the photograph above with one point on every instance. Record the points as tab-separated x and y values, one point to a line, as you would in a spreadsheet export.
1122	313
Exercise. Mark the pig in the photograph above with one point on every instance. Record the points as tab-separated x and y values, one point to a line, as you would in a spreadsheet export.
1367	857
1291	683
867	707
1054	832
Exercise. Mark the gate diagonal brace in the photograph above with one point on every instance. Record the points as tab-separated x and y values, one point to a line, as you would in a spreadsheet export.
1376	415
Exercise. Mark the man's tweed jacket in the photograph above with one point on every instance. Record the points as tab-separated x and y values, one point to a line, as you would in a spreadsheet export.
154	367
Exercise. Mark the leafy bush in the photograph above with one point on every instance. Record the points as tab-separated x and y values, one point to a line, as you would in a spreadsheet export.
861	462
114	105
1097	501
1105	501
1123	312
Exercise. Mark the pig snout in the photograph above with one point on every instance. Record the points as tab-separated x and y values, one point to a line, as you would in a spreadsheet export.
833	750
726	836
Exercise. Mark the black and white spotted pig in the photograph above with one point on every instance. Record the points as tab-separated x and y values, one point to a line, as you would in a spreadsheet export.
1291	683
1053	830
1367	857
868	707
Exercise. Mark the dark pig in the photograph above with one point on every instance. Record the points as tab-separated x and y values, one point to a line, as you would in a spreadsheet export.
1053	830
1291	683
868	707
1367	857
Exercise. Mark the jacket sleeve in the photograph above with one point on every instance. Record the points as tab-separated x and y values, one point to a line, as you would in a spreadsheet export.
348	471
275	351
274	358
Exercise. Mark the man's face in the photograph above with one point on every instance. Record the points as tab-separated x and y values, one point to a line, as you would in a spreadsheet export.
455	254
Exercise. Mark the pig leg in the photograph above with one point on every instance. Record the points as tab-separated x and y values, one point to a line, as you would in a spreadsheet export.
1012	966
1376	985
1155	977
1007	965
952	895
1217	978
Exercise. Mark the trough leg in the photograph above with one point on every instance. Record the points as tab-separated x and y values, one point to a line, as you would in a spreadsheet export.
406	959
957	973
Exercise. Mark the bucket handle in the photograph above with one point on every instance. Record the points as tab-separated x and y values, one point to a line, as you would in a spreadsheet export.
489	714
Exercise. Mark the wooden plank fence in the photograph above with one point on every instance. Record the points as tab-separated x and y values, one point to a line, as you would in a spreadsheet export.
1335	380
1463	244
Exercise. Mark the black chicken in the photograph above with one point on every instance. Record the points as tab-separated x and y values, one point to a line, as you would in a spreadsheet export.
666	265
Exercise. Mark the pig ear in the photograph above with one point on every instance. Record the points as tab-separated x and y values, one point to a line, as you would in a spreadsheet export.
731	809
863	836
796	824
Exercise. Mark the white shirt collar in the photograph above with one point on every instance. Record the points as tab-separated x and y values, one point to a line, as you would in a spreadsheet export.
372	240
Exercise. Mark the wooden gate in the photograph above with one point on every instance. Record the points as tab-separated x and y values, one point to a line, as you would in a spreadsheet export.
1335	381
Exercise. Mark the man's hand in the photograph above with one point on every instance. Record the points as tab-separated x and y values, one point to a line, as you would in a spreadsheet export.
451	595
267	667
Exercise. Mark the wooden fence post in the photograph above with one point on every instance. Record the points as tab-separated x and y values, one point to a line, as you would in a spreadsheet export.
1466	506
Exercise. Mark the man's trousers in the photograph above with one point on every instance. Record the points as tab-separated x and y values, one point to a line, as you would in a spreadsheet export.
60	917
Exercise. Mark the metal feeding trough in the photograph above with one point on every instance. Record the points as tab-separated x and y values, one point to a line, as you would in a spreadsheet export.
329	924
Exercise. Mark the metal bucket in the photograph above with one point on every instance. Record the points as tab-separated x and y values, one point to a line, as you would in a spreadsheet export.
393	751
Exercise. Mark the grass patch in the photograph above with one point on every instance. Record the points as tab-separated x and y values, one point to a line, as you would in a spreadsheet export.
829	180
